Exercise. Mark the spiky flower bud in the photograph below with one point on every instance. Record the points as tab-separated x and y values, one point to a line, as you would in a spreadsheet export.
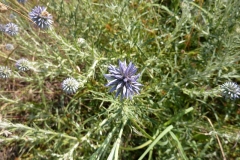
70	85
230	90
11	29
81	41
9	47
5	72
22	65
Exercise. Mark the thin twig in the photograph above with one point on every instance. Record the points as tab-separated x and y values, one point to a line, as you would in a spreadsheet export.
220	145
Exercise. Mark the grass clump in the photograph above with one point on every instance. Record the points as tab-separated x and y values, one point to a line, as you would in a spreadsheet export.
53	98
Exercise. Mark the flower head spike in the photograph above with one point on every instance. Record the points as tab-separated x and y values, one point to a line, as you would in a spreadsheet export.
5	72
70	85
22	65
11	29
230	90
123	80
41	17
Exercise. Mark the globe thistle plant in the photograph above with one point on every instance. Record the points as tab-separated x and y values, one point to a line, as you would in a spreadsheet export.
11	29
123	80
230	90
70	85
9	47
22	65
5	72
41	17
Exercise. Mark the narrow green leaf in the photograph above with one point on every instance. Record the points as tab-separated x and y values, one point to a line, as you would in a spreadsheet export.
179	146
168	129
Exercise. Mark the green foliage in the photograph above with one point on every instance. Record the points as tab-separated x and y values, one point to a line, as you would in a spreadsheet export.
184	51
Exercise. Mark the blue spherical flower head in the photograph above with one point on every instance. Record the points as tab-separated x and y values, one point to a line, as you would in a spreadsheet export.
70	85
11	29
123	80
230	90
41	17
